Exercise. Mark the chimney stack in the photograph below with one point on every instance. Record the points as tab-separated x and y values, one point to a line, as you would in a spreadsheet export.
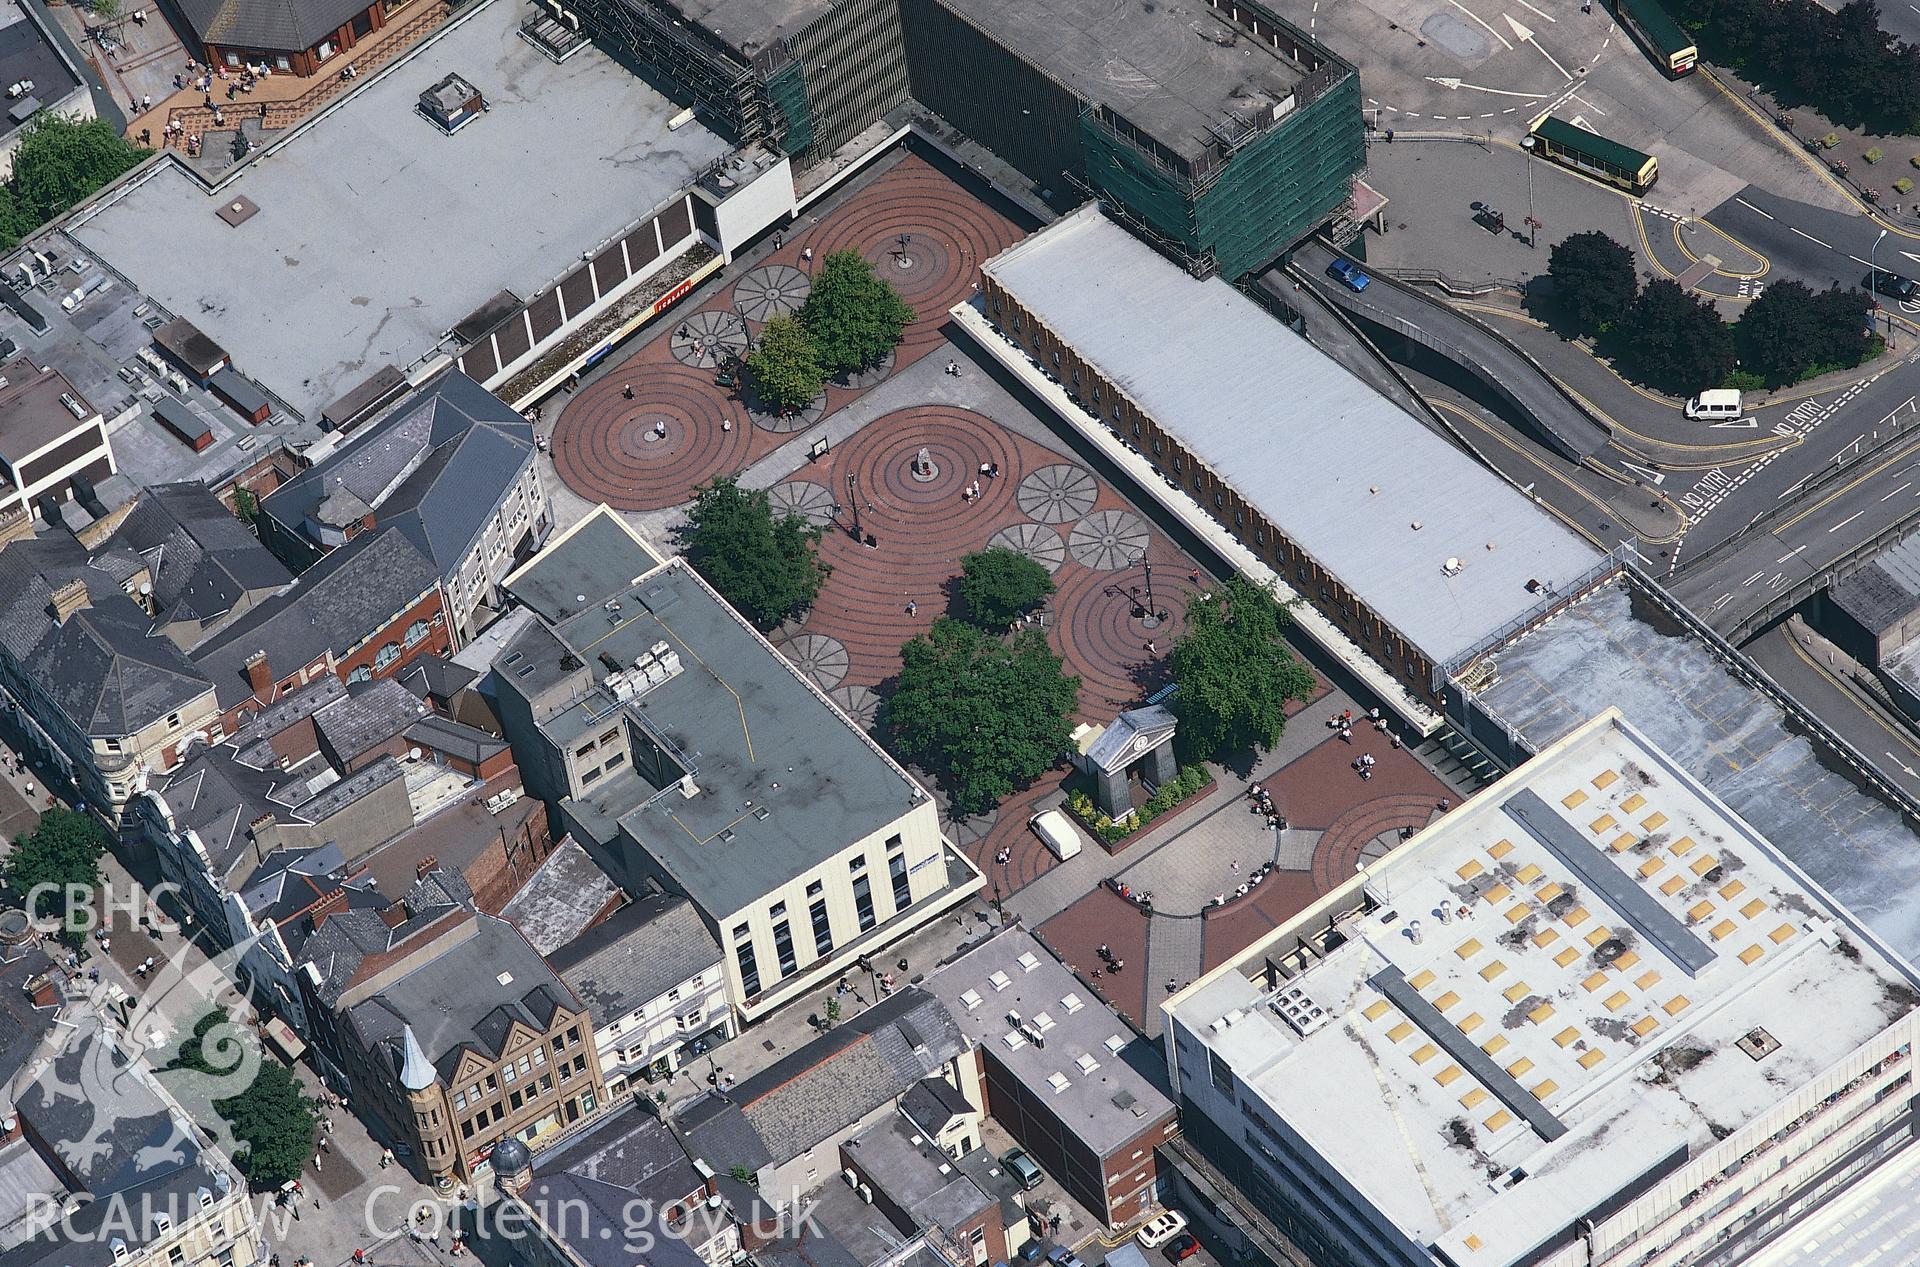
260	676
68	599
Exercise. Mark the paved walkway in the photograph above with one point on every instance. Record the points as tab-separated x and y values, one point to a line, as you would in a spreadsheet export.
926	235
1335	821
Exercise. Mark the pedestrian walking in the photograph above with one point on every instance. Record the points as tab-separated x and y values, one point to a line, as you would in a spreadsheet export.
1151	649
913	607
626	389
806	255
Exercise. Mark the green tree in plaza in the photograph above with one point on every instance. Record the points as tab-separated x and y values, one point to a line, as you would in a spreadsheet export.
767	567
1679	344
785	366
1235	671
1594	277
998	586
60	161
854	316
63	849
273	1121
986	715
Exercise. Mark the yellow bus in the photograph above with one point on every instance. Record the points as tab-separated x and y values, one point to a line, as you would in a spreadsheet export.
1563	143
1648	22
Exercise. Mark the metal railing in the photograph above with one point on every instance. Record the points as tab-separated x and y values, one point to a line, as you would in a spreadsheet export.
1752	675
1846	460
1555	600
1452	285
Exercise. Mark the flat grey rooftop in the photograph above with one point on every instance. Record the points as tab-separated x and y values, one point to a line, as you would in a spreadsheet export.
377	232
747	26
785	780
1363	487
1157	65
27	54
1727	734
1101	1098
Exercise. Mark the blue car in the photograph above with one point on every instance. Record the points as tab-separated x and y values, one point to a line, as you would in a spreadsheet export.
1348	274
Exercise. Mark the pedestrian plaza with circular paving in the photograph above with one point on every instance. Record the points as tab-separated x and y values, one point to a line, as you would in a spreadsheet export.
716	428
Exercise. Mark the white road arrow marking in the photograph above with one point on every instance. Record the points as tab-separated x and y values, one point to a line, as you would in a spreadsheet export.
1453	84
1734	424
1910	255
1525	36
1644	472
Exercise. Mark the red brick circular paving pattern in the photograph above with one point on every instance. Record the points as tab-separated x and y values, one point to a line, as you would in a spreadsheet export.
598	435
940	265
600	445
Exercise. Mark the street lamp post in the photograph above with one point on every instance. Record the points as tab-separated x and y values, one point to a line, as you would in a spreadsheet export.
1873	269
1153	609
853	501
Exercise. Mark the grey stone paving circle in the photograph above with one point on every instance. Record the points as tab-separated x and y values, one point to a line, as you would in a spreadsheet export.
812	502
707	340
640	436
784	424
868	377
1037	541
821	658
859	703
1057	494
1380	846
773	290
1108	540
969	831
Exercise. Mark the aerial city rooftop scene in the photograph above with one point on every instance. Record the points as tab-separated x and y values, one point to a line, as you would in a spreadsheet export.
959	633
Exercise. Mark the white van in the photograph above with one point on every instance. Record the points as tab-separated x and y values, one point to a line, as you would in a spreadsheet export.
1056	832
1719	405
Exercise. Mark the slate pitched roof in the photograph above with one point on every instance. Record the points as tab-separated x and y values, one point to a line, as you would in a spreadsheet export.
203	558
468	996
436	468
100	665
284	26
848	1072
338	604
638	954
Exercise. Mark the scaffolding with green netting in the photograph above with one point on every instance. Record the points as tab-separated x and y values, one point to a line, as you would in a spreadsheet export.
1266	188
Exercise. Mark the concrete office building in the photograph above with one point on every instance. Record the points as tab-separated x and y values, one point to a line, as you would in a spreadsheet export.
691	757
1225	131
1592	1018
1415	555
49	437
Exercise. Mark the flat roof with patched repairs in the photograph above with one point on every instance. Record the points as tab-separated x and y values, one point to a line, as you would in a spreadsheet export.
1598	1052
378	232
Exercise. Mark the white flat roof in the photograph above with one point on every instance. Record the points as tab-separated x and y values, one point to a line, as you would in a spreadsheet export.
1595	935
1335	465
377	232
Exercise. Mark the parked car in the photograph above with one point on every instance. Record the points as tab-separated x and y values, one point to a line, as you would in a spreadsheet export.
1348	274
1892	285
1181	1247
1023	1168
1061	1256
1162	1228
